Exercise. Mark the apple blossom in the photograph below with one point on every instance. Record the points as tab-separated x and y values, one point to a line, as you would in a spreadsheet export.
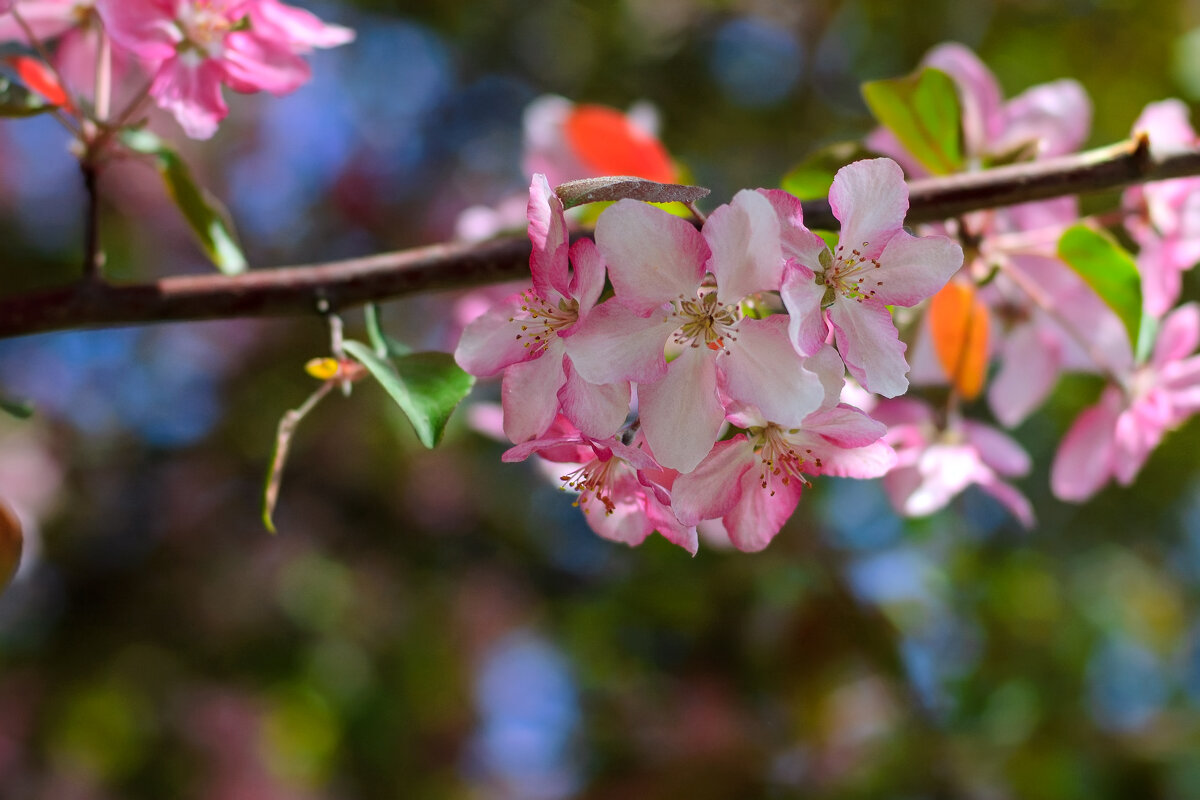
658	265
523	335
875	264
199	45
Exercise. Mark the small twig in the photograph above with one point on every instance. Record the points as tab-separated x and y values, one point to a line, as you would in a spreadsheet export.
283	441
700	216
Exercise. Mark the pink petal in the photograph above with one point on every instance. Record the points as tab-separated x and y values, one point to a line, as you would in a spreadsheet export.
529	394
1084	461
867	339
798	242
870	199
144	27
192	93
548	236
912	269
614	343
300	29
945	470
1178	336
712	489
1012	499
1162	282
596	409
1167	122
763	369
744	239
828	366
493	341
587	280
869	461
681	414
652	256
1029	370
1057	115
845	427
997	450
802	297
761	513
253	64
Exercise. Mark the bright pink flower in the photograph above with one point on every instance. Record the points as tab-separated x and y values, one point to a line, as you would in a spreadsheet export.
1113	438
624	493
876	264
933	465
523	335
47	19
753	481
658	265
200	45
1164	217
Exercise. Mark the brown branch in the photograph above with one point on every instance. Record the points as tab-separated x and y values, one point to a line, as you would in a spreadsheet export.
343	284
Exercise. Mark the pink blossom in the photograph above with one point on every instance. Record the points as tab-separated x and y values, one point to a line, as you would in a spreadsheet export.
46	19
623	492
1113	438
876	264
1164	217
523	336
753	481
200	45
934	464
657	264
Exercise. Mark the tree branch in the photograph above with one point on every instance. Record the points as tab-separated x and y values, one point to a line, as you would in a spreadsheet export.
299	290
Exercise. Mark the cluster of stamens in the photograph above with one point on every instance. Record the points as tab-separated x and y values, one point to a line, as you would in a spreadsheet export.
541	321
849	275
204	25
705	321
780	460
593	479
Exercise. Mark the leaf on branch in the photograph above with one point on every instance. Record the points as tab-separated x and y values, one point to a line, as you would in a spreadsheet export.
812	177
426	386
621	187
958	321
17	101
923	112
1109	269
208	219
384	345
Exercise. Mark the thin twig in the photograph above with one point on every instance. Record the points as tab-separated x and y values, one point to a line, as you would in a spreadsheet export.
354	282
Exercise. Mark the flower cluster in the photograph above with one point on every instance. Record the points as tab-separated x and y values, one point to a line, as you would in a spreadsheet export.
733	405
190	48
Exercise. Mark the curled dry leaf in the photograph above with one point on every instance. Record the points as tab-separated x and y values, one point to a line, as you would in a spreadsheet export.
621	187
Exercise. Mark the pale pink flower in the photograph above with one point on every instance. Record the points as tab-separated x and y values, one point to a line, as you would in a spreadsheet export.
623	492
523	335
1164	217
1113	438
934	464
200	45
753	481
658	265
47	19
876	264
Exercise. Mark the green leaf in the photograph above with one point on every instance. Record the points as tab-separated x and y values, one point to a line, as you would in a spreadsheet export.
1109	269
923	112
384	345
21	409
426	386
812	177
17	101
620	187
205	215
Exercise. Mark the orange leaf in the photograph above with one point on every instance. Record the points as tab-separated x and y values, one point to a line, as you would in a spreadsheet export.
959	323
38	77
609	144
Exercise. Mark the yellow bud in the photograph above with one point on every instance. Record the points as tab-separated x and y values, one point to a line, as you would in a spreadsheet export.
11	542
323	368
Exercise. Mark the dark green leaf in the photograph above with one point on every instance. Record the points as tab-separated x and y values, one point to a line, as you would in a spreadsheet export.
923	112
620	187
426	386
205	215
1109	269
384	345
17	101
812	177
20	409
